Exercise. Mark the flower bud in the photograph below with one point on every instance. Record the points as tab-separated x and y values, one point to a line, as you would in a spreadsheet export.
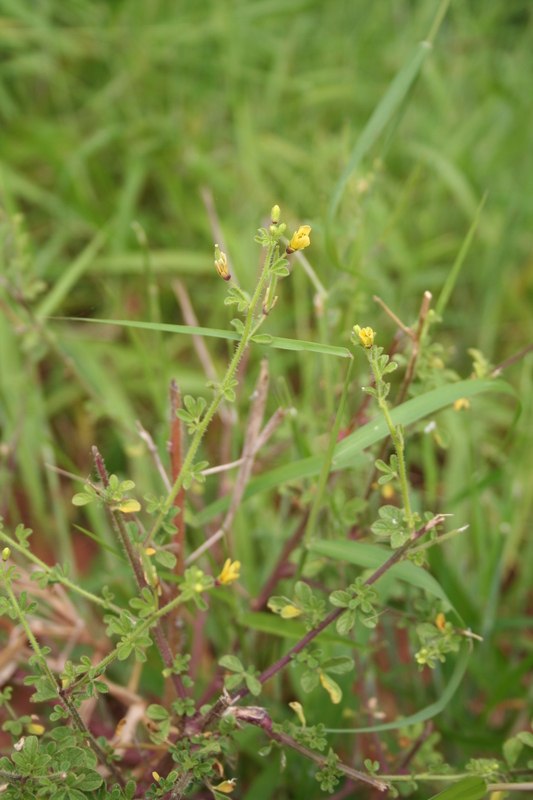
275	214
221	264
6	552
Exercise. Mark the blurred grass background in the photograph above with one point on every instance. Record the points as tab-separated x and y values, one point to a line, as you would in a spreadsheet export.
172	113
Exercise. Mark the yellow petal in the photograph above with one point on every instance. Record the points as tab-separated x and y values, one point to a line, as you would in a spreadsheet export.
298	710
150	551
226	786
288	612
440	622
38	730
129	506
331	688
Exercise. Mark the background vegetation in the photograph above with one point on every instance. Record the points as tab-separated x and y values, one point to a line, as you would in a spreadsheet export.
194	119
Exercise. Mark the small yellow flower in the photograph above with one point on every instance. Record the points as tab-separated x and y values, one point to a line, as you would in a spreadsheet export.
275	214
150	551
221	264
387	491
298	710
331	687
230	572
300	239
226	786
129	506
289	612
155	776
367	336
463	402
440	622
36	730
6	552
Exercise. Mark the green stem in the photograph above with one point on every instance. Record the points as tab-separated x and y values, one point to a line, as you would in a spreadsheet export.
131	638
29	633
95	747
398	444
93	598
187	463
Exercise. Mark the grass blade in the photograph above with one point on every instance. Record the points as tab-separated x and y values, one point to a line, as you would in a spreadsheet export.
473	788
374	556
216	333
429	711
459	261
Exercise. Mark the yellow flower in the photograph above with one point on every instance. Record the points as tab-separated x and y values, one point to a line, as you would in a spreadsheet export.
226	786
440	622
298	710
221	264
289	612
129	506
230	572
367	336
155	776
37	730
275	214
463	402
300	239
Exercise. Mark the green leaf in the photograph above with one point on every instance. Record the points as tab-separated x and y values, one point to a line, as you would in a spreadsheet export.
467	789
526	738
276	341
309	680
232	663
374	556
253	684
91	781
338	665
166	559
345	622
156	712
82	499
511	750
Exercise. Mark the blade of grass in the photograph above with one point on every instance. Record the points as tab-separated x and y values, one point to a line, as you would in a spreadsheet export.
373	556
449	283
71	275
273	341
429	711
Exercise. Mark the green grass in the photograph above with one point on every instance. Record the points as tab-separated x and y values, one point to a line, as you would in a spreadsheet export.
124	111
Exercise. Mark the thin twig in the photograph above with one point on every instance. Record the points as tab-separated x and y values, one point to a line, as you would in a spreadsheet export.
254	715
394	318
120	527
154	452
511	360
255	420
216	537
410	371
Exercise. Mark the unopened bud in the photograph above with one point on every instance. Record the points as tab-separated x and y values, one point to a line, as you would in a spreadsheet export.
6	552
221	264
267	306
275	214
